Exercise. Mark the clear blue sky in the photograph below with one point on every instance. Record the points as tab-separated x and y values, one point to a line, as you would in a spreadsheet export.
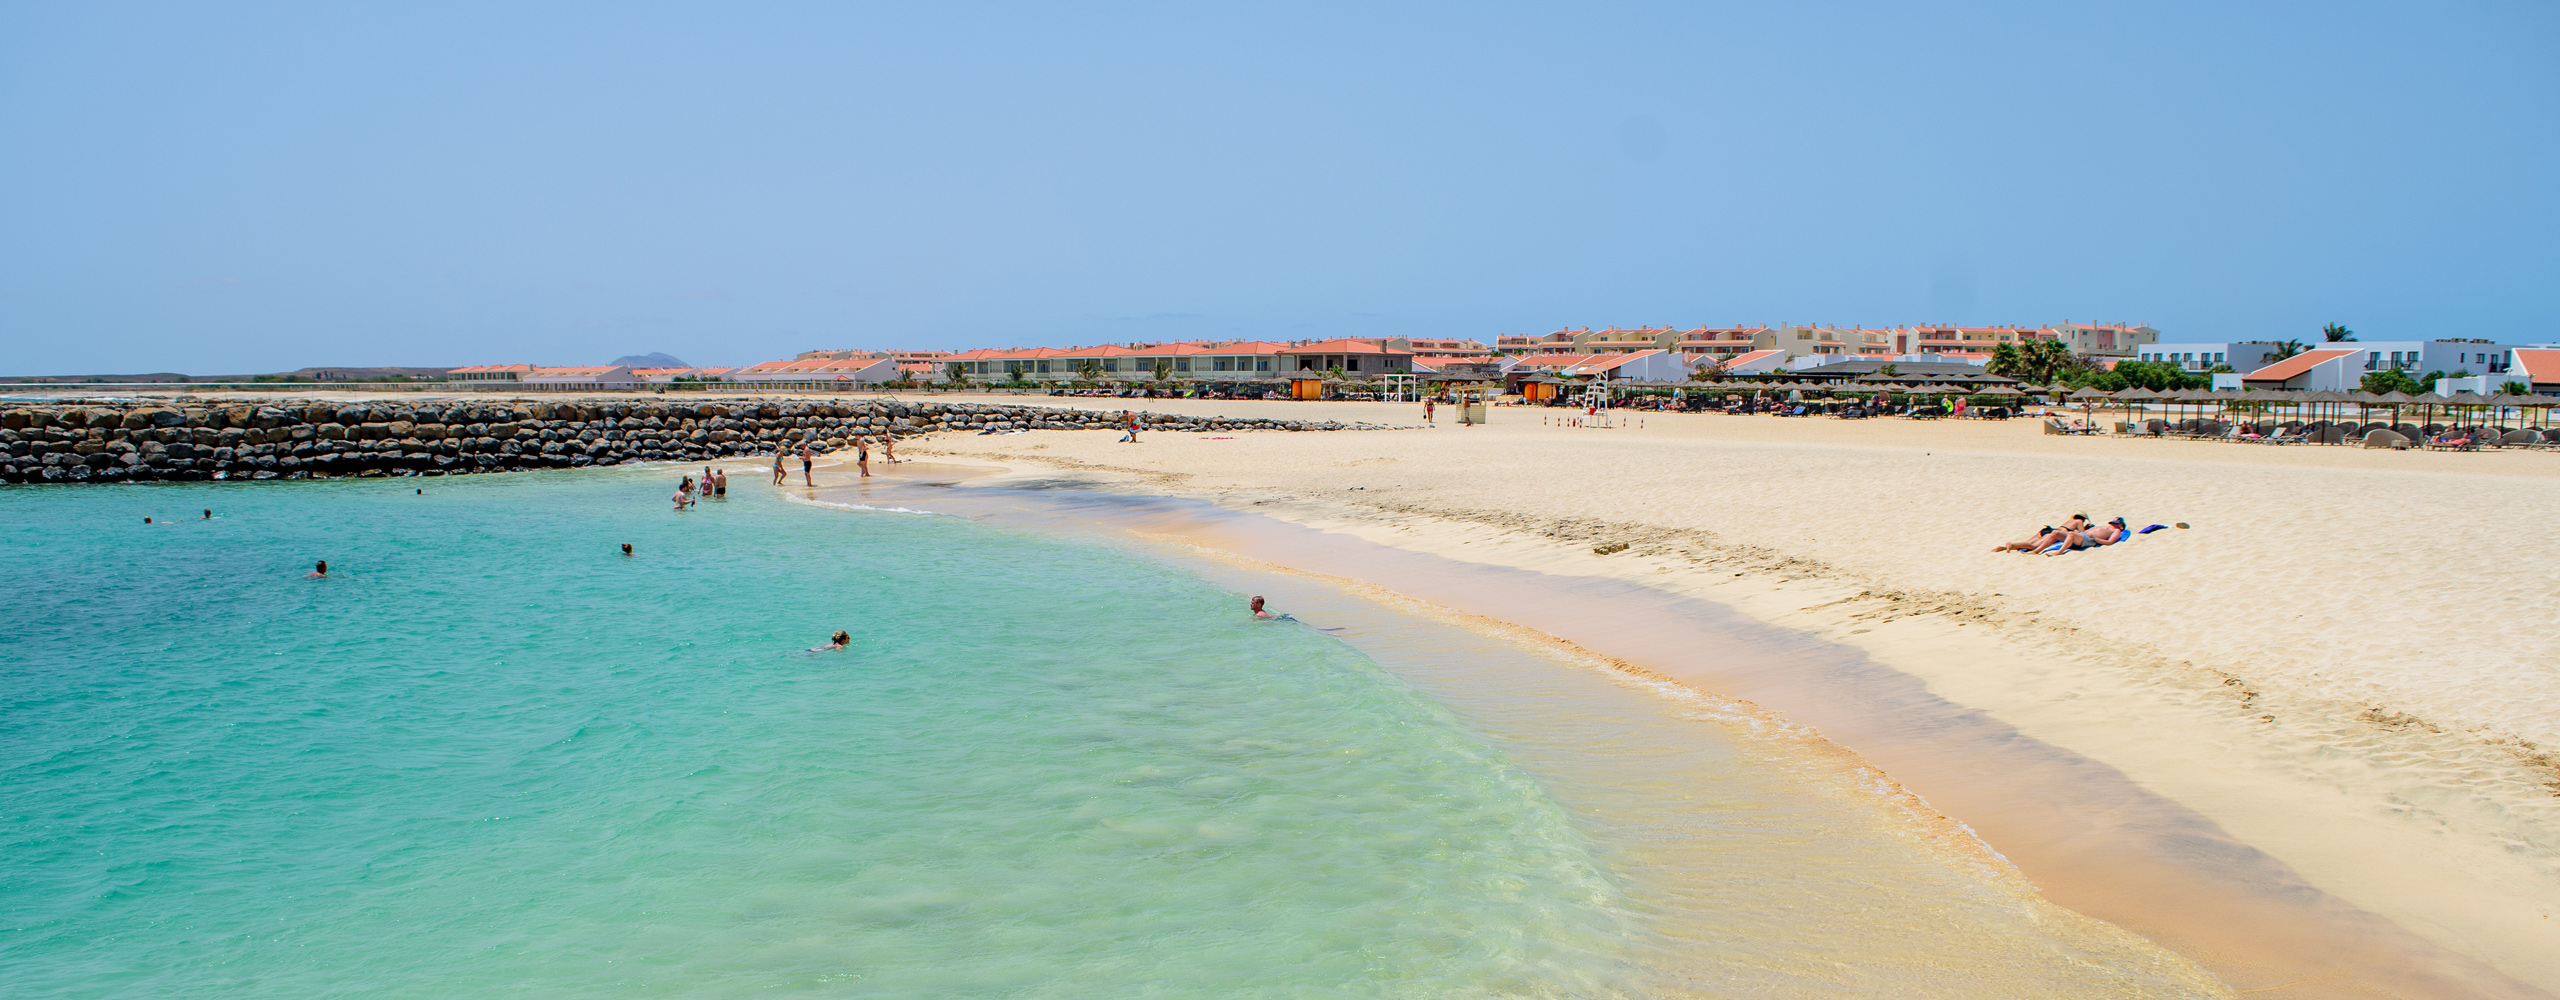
250	187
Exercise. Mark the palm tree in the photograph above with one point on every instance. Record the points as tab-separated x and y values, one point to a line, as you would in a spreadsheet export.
1091	369
2047	360
2006	360
2286	349
2333	333
957	373
1708	371
2513	387
1164	370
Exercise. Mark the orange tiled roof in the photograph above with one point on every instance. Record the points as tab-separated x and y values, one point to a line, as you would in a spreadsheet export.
2296	365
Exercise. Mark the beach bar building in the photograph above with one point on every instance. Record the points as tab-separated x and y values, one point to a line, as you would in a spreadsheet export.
1360	358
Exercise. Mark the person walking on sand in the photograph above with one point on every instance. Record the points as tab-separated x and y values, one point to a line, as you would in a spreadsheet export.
1131	435
862	456
1427	406
889	448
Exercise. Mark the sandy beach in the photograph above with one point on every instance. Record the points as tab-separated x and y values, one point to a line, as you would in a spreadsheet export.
2348	661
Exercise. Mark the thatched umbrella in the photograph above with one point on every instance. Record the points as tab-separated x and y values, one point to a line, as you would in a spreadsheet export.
2469	398
2134	397
2088	398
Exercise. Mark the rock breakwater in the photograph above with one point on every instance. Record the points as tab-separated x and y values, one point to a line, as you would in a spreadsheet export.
149	441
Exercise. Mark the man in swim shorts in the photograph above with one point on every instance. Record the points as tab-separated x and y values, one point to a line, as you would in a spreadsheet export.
2046	538
804	463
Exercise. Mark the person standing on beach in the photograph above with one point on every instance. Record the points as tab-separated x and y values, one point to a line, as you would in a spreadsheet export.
779	476
1130	419
862	456
889	448
804	464
1428	405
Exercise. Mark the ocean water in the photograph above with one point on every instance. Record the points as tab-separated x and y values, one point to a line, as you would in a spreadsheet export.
490	755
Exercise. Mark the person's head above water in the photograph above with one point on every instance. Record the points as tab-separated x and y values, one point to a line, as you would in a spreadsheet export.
626	548
322	569
840	640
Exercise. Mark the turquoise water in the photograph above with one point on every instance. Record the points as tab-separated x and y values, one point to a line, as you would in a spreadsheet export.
491	755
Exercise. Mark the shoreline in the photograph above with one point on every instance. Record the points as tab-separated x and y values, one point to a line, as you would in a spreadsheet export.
2168	731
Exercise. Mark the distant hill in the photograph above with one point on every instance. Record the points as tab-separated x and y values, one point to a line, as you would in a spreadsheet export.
652	359
388	374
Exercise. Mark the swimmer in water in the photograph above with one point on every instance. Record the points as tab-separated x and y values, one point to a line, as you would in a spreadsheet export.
146	520
835	644
1261	615
208	513
319	573
626	548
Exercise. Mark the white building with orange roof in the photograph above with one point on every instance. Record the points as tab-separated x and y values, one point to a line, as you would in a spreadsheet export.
667	376
818	371
597	377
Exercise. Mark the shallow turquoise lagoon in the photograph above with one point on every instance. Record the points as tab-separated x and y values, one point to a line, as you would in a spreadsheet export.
491	755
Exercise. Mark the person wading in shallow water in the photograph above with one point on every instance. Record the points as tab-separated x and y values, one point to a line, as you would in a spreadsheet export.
779	476
804	463
862	456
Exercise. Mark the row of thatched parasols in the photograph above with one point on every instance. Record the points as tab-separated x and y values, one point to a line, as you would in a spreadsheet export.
2321	403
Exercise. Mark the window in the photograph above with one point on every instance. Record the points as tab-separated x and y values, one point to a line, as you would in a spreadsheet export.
1182	364
1222	364
1043	367
1262	364
1111	364
1351	364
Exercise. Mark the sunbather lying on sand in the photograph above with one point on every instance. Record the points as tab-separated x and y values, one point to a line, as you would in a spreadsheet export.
2105	534
2047	537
